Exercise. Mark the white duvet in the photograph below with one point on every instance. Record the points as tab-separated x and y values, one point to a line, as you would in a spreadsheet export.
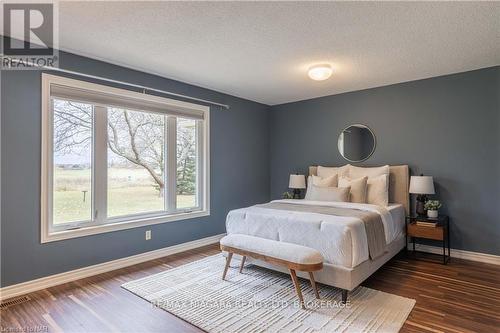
341	240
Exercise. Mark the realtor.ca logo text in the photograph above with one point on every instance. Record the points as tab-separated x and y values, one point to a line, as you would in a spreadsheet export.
30	35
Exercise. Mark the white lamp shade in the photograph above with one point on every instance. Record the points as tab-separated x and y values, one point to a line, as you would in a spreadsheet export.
422	185
297	181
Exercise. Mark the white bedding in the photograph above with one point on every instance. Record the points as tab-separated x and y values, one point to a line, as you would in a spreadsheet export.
341	240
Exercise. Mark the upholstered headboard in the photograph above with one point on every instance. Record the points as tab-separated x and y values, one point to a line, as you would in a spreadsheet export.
399	180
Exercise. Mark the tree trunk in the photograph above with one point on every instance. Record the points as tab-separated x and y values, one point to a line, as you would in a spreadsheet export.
161	193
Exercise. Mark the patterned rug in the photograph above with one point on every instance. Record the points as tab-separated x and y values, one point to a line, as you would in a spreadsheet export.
261	300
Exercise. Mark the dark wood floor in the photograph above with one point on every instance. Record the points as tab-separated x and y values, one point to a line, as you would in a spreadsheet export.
463	296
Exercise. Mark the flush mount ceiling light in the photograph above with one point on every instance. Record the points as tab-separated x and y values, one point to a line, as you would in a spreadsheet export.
320	72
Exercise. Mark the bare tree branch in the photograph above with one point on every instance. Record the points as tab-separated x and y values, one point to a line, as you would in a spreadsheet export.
136	137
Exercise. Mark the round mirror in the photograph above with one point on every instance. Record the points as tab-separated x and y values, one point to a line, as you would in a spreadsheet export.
356	143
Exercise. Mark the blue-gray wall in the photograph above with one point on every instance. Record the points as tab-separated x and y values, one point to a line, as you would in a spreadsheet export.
447	127
239	175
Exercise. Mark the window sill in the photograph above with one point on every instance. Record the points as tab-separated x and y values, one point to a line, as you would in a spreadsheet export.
104	228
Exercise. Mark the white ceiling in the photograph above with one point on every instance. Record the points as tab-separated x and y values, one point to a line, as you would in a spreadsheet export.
261	50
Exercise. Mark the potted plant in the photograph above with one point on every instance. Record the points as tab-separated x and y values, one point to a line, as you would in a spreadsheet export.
287	195
432	207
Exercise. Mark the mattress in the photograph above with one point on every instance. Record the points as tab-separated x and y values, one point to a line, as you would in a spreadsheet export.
341	240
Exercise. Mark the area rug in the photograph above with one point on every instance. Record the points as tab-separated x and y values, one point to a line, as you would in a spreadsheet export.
261	300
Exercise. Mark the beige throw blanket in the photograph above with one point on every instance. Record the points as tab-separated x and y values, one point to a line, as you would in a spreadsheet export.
372	221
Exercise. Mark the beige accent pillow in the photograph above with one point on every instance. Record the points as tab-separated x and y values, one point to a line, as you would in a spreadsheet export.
358	172
377	190
358	188
317	193
331	181
325	172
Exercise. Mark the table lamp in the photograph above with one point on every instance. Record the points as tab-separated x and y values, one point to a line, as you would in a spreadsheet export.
421	185
297	182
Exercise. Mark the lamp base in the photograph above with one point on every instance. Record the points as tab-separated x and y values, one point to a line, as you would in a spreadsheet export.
420	209
296	193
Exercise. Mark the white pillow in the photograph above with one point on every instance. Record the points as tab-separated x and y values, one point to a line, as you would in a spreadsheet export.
337	194
358	188
377	192
325	172
331	181
358	172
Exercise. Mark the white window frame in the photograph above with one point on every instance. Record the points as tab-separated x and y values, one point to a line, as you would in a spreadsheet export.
100	223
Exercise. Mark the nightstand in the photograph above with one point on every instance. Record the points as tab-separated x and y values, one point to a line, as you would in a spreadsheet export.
439	232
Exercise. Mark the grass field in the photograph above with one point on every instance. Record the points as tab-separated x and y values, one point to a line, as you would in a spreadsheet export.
130	191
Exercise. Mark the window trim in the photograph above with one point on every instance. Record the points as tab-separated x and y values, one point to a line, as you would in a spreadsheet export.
50	234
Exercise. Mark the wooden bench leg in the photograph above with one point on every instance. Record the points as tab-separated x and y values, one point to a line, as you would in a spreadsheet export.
297	287
313	284
242	263
228	261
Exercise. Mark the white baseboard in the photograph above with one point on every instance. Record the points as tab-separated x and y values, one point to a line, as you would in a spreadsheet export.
461	254
57	279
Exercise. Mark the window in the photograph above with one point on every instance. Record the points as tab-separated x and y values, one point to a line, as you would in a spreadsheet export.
115	159
187	163
73	124
136	144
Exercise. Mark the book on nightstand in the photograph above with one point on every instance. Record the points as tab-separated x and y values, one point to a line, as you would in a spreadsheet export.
426	223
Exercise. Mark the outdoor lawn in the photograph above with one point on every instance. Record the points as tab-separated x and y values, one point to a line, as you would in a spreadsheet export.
131	191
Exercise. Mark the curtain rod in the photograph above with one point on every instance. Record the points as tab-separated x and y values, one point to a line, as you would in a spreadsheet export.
138	86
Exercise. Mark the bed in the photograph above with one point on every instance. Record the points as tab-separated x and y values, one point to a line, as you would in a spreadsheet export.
342	240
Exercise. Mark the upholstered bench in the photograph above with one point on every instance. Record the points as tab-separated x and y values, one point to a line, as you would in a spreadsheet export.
292	256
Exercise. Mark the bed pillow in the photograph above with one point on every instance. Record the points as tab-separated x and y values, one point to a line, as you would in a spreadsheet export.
377	190
358	188
325	172
358	172
331	181
317	193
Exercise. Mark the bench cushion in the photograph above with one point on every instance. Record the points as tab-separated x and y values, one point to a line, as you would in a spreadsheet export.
280	250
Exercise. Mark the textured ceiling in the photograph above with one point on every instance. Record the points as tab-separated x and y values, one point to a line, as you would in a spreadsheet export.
261	50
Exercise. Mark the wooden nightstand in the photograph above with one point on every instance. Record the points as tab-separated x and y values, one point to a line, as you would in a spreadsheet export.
440	232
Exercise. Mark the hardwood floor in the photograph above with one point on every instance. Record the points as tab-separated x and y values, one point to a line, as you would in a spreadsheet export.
462	296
